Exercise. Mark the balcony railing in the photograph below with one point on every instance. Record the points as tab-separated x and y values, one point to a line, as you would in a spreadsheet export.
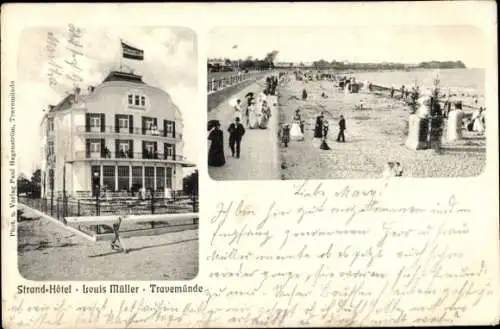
126	131
128	156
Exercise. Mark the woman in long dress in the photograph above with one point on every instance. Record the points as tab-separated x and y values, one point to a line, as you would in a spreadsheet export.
216	151
298	118
318	128
477	119
266	114
253	116
295	131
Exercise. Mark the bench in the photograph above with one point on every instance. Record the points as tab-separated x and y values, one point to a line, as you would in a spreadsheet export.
181	222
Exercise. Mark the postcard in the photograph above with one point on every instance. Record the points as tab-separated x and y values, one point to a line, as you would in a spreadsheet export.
250	165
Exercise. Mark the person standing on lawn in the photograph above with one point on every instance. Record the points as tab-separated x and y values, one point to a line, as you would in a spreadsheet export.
341	129
236	132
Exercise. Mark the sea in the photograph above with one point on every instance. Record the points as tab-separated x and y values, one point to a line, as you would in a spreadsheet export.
469	81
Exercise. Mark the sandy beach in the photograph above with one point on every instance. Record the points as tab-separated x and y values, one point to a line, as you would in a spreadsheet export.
48	251
375	135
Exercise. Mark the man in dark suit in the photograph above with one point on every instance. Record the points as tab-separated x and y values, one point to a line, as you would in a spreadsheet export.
341	129
236	132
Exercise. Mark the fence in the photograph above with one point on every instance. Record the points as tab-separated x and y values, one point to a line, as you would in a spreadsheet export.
60	207
228	81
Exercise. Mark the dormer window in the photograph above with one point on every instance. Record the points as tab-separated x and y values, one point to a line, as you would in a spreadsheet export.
136	100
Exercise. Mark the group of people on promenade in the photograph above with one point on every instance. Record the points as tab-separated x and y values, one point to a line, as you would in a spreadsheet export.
321	129
255	114
236	131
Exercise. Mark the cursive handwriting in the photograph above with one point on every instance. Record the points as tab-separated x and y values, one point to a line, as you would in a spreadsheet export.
317	256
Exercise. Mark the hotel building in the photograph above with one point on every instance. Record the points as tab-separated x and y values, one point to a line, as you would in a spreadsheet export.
123	132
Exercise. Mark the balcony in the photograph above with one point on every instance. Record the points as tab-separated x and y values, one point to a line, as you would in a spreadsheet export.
122	132
129	156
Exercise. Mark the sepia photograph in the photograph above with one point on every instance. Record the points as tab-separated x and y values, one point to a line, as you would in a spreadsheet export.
108	182
339	155
334	102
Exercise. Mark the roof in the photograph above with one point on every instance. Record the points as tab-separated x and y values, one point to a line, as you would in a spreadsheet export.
123	76
67	101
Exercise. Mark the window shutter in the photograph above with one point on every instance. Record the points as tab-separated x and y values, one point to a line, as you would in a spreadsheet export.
87	122
117	147
103	145
173	129
143	149
164	128
117	123
103	123
143	125
131	124
173	151
131	148
156	147
87	148
155	120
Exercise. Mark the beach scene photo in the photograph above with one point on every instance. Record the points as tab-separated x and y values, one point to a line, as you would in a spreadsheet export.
346	102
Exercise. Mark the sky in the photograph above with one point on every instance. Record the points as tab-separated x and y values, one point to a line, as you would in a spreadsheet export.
402	44
170	63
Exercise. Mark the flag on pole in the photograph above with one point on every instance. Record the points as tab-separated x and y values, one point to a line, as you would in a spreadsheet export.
132	52
235	46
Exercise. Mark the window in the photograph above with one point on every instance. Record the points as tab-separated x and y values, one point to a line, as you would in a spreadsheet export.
150	147
169	177
95	147
108	177
170	127
123	122
50	124
95	121
136	100
149	177
95	172
136	178
50	148
169	150
149	150
123	178
124	147
160	178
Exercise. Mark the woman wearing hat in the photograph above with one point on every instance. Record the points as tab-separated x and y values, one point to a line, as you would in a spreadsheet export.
216	151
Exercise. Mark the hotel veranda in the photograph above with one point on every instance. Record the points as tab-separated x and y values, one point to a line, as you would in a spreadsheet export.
123	133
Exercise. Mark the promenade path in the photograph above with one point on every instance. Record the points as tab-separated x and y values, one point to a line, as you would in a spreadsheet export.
49	251
259	158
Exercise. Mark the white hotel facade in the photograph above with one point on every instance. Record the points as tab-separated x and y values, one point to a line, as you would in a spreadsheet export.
124	131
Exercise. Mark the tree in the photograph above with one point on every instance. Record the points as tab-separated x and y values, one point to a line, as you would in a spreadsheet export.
24	185
190	183
271	57
36	183
321	64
